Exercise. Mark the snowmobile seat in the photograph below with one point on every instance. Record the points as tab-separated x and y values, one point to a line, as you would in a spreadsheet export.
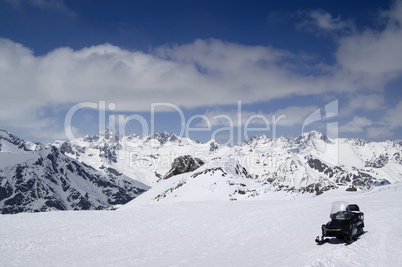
353	207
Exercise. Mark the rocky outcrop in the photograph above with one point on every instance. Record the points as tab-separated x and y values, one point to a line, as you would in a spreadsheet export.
183	164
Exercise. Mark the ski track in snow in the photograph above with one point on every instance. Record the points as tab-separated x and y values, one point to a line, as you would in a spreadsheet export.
275	232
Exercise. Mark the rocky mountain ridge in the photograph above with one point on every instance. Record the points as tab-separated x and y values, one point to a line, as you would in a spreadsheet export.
44	178
310	158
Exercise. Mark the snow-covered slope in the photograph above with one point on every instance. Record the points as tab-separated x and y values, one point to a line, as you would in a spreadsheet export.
275	232
219	179
301	163
46	179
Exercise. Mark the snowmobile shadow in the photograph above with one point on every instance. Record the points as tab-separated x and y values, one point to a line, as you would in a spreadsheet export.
355	239
336	241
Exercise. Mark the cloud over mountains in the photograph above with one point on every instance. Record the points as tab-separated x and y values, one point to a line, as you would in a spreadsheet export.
203	73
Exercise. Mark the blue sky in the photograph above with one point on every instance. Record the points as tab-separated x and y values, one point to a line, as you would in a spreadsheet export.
208	69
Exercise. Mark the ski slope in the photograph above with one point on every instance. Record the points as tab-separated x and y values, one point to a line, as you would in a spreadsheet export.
279	231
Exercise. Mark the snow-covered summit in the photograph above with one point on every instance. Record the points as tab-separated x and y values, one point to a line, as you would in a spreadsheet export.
256	140
312	139
163	138
9	142
108	135
219	179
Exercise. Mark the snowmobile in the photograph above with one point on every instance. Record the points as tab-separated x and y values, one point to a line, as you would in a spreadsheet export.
347	222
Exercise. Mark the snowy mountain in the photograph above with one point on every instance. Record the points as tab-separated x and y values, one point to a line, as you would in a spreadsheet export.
103	169
34	178
143	158
10	142
311	162
312	158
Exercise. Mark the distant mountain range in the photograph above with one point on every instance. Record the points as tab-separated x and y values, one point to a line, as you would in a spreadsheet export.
108	168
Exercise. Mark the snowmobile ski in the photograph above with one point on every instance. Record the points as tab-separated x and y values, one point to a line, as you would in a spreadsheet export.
321	241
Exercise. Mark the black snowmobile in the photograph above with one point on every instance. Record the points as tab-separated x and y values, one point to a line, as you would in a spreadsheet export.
347	222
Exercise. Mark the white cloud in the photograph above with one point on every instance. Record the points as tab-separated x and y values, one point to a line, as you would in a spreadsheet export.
383	128
379	132
284	117
393	116
294	115
362	102
322	21
356	125
203	73
375	53
134	80
199	74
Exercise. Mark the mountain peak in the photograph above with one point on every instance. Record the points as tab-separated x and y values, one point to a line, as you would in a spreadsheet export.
313	135
108	133
6	135
213	145
164	137
258	138
18	142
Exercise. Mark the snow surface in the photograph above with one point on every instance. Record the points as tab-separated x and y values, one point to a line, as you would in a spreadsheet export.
279	231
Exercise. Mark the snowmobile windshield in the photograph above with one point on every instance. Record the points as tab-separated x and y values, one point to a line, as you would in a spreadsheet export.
340	210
